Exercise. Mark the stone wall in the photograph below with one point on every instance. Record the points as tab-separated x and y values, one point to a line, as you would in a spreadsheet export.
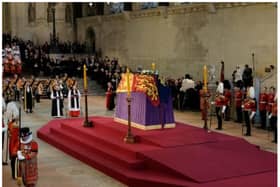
39	30
181	40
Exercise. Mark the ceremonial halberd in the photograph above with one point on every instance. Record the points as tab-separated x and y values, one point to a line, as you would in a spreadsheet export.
151	105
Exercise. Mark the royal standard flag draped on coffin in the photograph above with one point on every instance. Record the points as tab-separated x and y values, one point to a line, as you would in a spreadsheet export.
141	83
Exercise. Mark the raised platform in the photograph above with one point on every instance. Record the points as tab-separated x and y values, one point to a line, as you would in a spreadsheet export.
182	156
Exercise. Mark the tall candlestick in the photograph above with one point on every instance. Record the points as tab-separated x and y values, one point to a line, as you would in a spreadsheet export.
127	81
85	77
205	77
153	66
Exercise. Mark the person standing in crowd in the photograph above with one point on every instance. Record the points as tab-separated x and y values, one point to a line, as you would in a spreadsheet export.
249	109
4	128
74	98
238	101
262	106
110	97
13	131
227	94
187	84
237	75
39	91
28	98
220	105
247	76
27	156
57	101
15	82
9	93
270	101
273	118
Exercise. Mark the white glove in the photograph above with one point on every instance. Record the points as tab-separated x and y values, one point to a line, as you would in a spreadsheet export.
212	103
270	115
252	115
20	156
242	106
224	109
4	129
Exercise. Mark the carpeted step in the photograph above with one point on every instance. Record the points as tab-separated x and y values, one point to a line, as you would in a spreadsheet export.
239	157
225	162
114	138
130	177
98	137
98	148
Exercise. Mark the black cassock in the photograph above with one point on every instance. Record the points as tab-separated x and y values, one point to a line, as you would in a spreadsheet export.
57	103
28	99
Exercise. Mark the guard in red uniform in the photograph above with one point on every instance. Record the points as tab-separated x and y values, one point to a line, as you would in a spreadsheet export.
270	101
238	102
227	94
27	156
13	130
273	118
220	104
249	109
262	107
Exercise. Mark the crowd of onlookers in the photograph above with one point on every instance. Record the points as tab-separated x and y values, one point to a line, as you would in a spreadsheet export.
186	92
37	57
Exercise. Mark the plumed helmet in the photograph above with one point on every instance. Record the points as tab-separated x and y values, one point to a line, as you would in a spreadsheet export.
220	88
25	135
25	131
251	92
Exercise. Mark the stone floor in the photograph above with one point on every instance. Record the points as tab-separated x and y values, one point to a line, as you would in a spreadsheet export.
57	169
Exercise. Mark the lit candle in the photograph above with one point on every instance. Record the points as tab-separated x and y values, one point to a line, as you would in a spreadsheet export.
205	77
153	66
127	80
85	77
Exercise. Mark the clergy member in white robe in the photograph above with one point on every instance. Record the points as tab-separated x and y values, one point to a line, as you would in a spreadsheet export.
74	102
57	102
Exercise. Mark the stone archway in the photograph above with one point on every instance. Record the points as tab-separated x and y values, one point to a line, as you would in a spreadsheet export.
90	40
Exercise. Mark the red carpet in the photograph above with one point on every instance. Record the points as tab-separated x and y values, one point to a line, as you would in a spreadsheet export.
183	156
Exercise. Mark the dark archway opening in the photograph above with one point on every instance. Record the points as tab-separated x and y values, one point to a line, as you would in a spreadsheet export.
90	40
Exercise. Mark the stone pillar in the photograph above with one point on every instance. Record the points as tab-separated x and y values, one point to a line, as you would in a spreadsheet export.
84	9
6	14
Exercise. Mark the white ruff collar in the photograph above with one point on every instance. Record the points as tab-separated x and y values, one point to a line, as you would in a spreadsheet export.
28	140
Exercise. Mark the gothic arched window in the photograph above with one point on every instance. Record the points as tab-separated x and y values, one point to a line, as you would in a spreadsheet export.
148	5
117	8
68	14
31	12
